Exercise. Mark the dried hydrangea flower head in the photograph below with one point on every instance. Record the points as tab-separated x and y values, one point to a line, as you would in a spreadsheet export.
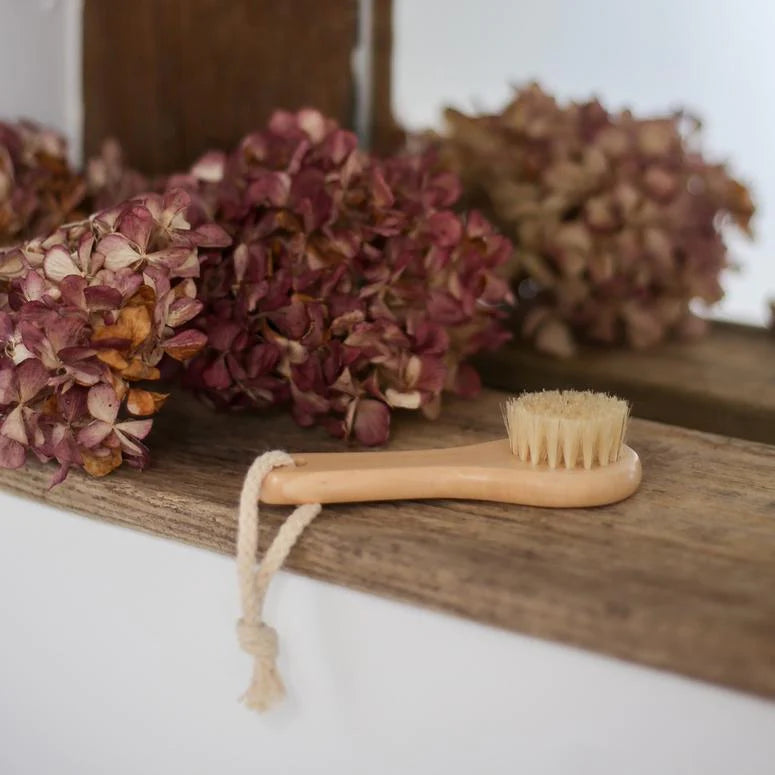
110	180
352	287
38	188
617	221
87	314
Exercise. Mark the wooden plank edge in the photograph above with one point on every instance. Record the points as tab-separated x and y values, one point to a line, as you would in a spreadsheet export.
517	367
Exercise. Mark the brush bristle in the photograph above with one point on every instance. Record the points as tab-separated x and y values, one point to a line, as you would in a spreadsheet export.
566	427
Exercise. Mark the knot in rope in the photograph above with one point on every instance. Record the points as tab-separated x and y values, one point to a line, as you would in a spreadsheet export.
258	639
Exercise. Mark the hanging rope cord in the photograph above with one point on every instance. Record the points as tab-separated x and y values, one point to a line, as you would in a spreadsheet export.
255	636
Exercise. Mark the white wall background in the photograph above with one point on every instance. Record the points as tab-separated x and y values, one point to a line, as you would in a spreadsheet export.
715	57
118	656
40	64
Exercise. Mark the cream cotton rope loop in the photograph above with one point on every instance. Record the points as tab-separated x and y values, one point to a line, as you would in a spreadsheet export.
255	636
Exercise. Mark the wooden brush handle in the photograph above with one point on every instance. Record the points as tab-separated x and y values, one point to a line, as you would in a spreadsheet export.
487	471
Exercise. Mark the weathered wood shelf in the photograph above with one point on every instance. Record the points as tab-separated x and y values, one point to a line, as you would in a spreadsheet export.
724	383
681	576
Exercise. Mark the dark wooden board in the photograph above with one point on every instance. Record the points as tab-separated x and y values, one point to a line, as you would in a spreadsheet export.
386	134
172	78
724	383
681	576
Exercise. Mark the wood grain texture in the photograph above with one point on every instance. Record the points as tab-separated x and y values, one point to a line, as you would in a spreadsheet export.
386	134
172	78
724	383
681	576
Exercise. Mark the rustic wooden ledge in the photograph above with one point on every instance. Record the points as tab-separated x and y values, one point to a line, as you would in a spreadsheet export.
724	383
681	576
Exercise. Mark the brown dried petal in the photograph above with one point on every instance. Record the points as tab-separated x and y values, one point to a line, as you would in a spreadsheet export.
103	464
133	325
144	402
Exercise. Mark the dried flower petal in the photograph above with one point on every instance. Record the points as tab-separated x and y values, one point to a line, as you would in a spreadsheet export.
371	424
144	402
12	453
185	345
101	465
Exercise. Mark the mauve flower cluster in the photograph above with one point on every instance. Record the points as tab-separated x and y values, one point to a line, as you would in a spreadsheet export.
110	180
39	190
351	287
86	314
617	221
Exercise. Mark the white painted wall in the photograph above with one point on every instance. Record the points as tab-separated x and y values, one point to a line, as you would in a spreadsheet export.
714	56
40	64
118	655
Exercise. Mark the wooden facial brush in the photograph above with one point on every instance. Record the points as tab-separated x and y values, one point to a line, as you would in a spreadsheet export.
564	449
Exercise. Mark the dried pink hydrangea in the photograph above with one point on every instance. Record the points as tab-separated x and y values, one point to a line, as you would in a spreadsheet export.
86	315
111	180
352	287
617	221
39	190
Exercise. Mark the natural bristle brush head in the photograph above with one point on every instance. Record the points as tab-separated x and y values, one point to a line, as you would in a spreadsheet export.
568	428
